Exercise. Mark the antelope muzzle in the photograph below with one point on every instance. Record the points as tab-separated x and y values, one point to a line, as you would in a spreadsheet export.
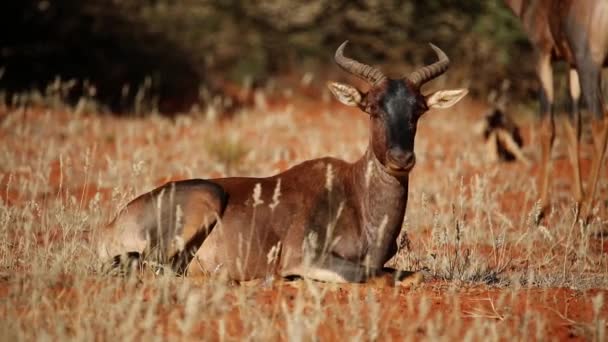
400	162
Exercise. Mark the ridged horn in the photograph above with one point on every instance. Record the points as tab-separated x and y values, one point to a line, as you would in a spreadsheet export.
429	72
366	72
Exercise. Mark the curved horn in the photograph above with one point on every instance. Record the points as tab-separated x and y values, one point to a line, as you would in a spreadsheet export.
366	72
427	73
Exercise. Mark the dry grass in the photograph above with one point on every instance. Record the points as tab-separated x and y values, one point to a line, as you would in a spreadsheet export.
492	274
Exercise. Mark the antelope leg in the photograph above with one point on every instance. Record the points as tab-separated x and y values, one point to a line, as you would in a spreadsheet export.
547	131
600	140
573	132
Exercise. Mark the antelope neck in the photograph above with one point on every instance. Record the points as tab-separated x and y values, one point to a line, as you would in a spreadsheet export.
382	199
370	172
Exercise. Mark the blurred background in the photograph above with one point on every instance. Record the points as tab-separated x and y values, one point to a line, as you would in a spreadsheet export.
176	54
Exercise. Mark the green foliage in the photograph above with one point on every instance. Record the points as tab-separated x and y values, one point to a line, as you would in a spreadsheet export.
227	151
502	27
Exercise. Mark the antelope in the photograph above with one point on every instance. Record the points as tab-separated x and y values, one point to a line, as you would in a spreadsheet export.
576	32
324	219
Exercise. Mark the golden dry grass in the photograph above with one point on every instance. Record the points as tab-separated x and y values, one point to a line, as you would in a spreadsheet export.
491	273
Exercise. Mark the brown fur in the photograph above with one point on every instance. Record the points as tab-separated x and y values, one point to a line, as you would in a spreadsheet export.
324	219
575	31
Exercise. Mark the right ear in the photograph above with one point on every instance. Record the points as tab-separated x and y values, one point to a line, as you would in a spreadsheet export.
445	98
345	93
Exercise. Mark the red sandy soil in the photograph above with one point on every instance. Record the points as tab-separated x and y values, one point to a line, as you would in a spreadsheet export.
566	314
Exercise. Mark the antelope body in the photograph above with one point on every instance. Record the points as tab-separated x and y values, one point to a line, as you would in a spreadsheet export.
323	219
575	31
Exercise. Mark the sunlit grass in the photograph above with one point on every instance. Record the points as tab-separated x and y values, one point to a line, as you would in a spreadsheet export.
64	175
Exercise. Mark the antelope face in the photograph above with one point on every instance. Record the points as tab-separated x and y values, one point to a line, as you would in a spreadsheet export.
394	107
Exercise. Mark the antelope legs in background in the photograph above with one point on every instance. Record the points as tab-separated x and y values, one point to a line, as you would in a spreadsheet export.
590	74
572	128
599	130
575	32
547	132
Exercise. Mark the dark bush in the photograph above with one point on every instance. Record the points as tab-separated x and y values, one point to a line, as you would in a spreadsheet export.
175	47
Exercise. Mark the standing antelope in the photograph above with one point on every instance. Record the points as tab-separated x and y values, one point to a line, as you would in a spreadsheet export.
323	219
575	31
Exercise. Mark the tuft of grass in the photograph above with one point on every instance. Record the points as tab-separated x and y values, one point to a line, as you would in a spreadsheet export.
227	151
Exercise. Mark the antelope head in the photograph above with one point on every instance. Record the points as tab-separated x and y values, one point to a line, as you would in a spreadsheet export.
394	106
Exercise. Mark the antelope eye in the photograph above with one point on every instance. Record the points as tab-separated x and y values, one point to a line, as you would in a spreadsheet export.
372	110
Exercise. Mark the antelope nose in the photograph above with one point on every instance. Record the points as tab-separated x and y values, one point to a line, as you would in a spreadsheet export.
400	160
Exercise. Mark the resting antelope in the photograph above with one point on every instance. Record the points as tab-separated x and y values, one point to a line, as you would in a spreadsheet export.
575	31
324	219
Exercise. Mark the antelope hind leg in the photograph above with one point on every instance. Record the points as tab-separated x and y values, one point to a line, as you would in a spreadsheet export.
573	135
572	128
600	140
547	132
165	226
547	137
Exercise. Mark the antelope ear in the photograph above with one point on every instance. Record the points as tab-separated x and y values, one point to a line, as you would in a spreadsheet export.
445	98
345	93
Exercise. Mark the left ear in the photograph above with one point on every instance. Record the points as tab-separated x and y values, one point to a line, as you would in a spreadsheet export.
345	93
445	98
